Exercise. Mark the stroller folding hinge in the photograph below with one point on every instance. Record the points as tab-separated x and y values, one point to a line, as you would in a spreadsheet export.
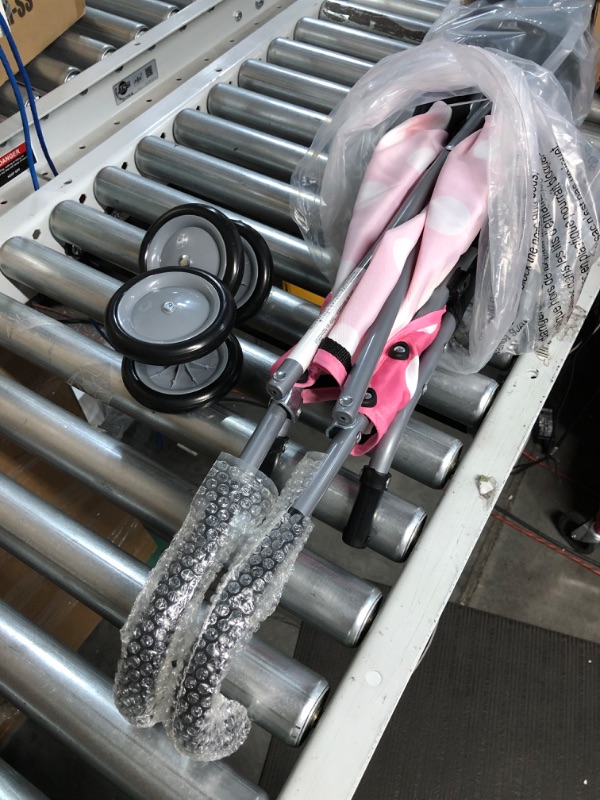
291	403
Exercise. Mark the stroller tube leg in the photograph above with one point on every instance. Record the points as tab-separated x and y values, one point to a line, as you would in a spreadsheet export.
354	389
374	479
455	293
337	452
386	449
266	432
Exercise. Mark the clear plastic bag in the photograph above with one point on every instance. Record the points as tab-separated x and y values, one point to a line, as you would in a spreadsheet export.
232	498
554	34
542	234
201	722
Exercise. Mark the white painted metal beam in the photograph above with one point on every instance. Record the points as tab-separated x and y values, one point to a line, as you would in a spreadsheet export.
339	750
86	110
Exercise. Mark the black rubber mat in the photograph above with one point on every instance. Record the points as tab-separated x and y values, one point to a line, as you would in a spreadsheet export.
497	710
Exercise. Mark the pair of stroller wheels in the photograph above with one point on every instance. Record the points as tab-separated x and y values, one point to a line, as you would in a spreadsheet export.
200	274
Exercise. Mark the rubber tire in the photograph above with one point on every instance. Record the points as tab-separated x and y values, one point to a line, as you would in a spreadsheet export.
173	352
175	404
567	523
233	271
264	261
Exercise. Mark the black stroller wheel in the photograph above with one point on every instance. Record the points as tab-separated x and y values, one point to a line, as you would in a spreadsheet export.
182	387
169	316
567	523
257	273
195	236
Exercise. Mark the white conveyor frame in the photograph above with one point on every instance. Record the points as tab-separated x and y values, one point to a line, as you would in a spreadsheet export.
83	112
347	734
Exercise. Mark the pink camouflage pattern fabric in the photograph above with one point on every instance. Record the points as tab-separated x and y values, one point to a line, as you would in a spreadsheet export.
442	233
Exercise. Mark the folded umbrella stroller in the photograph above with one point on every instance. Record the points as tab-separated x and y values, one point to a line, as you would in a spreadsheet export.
421	205
405	277
376	339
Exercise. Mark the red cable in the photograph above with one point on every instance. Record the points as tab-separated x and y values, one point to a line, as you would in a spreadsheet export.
525	454
562	475
535	537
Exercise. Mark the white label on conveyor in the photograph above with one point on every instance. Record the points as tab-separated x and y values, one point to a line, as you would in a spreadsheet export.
135	82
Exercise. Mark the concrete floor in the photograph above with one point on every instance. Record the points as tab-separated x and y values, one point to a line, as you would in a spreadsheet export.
520	578
510	574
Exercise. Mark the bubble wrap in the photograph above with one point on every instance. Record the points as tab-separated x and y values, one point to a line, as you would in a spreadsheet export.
232	497
202	723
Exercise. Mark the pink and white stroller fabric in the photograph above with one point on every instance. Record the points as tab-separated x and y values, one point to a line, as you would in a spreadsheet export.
440	235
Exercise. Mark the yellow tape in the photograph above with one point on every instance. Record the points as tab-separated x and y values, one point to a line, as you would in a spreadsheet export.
298	292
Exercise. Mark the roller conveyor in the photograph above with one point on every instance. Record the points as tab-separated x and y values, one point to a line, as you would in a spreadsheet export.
361	45
111	63
144	12
80	711
182	37
285	696
225	140
14	787
231	136
111	28
80	50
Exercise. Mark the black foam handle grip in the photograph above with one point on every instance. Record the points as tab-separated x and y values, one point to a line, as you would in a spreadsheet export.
373	484
461	290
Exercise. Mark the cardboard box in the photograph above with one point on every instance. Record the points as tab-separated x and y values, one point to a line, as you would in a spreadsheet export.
35	24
